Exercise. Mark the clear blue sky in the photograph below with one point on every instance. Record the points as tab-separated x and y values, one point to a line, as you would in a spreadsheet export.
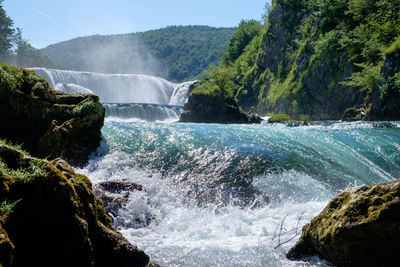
45	22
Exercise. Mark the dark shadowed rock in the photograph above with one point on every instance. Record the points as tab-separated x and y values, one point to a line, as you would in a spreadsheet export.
386	96
48	123
359	227
115	194
56	219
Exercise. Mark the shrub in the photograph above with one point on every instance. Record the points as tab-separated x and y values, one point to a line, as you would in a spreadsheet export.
280	117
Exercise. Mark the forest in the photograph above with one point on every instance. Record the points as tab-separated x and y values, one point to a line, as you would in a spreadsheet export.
177	53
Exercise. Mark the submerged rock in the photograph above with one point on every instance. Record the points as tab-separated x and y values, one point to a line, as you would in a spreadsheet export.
115	194
49	216
359	227
48	123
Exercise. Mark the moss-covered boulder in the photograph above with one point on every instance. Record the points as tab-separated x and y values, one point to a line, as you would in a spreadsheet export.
208	103
49	216
48	123
359	227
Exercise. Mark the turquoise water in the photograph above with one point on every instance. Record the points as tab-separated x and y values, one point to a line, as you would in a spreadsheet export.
218	192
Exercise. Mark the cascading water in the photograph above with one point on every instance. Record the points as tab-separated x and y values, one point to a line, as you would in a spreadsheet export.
146	112
217	193
122	88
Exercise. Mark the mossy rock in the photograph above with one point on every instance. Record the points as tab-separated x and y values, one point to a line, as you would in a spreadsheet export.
47	122
58	220
359	227
280	117
209	104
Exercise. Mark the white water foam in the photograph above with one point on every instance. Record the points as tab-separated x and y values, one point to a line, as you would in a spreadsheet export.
144	112
184	234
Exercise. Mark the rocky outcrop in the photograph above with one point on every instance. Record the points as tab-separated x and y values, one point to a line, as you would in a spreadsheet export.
289	77
49	216
48	123
359	227
212	105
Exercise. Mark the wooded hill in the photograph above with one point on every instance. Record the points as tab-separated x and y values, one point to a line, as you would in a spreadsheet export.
177	53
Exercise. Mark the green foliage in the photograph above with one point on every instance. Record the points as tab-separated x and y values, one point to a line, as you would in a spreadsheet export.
208	89
249	56
82	180
327	45
17	147
37	168
228	76
16	50
27	55
87	107
6	35
304	117
390	86
223	77
394	47
280	117
245	33
177	53
6	207
267	10
366	79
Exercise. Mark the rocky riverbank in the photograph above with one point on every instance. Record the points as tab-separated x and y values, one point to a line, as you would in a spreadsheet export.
359	227
46	122
49	215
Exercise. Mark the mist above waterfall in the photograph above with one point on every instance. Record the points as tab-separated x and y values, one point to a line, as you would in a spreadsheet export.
122	54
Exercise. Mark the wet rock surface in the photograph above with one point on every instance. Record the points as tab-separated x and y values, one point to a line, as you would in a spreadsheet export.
47	122
359	227
54	218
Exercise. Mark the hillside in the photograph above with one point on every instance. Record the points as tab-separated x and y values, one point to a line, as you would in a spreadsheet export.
317	60
177	53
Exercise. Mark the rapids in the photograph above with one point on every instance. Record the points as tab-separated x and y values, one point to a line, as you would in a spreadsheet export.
218	193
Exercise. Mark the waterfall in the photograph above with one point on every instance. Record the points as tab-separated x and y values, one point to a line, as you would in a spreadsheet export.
118	88
146	112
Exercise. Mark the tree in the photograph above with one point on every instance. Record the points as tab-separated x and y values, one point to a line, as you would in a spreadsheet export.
267	10
245	33
27	55
6	35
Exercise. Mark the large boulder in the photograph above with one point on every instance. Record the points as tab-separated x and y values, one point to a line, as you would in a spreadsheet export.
359	227
48	123
49	216
207	103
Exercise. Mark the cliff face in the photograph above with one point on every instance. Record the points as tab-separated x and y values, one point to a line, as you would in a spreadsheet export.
321	58
289	77
386	101
49	216
48	123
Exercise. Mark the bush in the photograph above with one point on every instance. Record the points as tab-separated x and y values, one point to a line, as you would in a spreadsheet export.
393	48
280	117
